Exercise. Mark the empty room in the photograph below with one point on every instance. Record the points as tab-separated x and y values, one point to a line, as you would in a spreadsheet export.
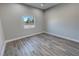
39	29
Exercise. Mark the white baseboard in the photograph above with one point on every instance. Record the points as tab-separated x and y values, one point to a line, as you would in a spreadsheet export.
68	38
3	49
14	39
4	45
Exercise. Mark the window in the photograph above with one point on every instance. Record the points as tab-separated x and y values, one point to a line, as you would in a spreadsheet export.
28	22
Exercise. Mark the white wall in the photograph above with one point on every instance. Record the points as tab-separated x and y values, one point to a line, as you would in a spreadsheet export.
1	38
11	16
63	20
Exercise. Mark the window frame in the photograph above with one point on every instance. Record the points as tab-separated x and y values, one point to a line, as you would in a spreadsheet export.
29	26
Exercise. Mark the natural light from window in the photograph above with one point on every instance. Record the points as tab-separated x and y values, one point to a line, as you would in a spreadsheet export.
28	22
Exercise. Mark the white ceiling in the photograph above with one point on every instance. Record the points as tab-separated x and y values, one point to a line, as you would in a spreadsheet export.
38	5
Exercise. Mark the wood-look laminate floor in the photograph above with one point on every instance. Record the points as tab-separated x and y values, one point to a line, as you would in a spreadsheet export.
42	45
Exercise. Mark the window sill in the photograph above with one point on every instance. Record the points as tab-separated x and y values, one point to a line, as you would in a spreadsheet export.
29	26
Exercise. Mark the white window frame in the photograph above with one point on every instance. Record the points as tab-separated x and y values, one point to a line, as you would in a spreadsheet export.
29	26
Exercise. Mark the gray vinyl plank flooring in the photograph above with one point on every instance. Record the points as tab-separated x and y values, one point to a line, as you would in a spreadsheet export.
42	45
